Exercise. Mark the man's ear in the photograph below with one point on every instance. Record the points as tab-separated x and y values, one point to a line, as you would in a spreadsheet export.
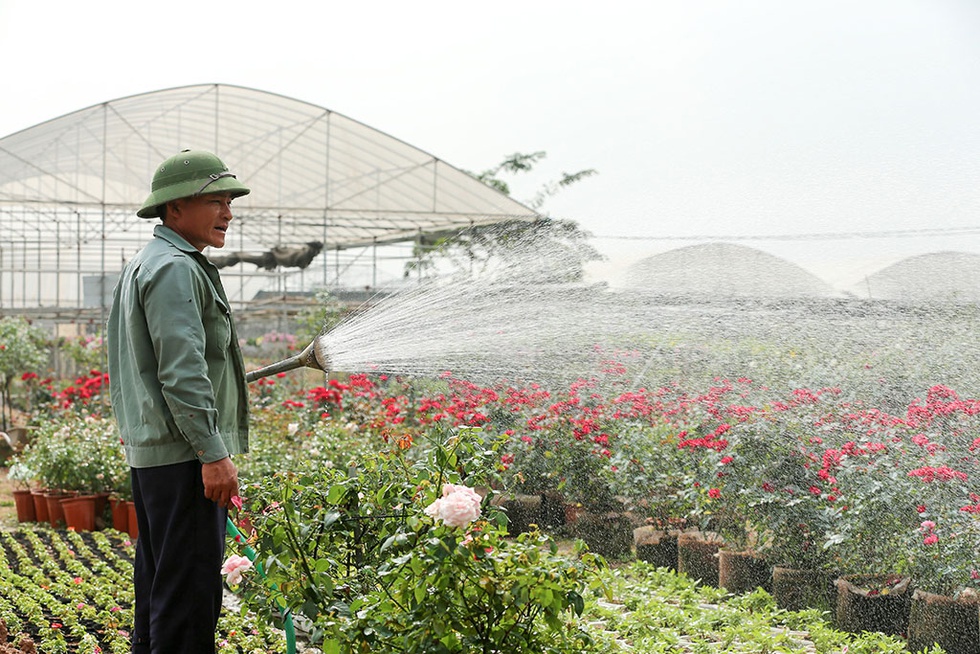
171	208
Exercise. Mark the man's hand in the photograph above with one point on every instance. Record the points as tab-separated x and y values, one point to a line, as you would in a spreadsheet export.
220	481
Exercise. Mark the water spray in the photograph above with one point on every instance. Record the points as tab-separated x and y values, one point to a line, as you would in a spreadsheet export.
511	320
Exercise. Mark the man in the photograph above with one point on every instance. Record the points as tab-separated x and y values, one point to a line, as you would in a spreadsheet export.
177	384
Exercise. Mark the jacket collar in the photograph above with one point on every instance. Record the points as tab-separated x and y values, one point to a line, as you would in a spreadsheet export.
179	242
172	237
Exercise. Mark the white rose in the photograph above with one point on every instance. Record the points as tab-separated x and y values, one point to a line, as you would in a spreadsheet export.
458	506
233	568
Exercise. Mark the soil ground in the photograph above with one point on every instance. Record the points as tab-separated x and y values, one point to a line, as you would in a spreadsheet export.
8	513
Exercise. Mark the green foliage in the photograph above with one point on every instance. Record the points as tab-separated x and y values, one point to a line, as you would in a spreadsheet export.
87	352
352	550
319	317
657	610
871	526
23	349
771	480
476	247
77	452
282	441
519	163
476	594
655	475
73	592
558	250
558	460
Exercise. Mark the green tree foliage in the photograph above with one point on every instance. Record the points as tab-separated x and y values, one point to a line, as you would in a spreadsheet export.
518	163
475	247
319	317
23	349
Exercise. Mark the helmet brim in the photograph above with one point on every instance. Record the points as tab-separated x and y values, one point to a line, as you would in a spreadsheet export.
188	189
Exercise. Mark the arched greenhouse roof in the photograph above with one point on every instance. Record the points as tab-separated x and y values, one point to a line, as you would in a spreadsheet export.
331	178
70	187
926	278
726	270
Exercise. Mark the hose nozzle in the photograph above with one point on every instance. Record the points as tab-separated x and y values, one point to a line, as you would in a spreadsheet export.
306	359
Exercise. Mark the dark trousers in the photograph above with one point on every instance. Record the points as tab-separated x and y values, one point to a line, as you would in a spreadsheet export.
179	552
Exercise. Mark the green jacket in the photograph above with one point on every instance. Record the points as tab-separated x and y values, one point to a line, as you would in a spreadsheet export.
176	375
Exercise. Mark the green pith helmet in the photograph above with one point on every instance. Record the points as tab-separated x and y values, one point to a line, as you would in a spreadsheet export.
187	174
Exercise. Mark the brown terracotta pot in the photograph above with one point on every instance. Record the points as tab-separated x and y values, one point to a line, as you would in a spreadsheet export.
24	501
132	526
954	624
101	503
873	603
743	572
120	514
79	512
56	515
697	557
40	505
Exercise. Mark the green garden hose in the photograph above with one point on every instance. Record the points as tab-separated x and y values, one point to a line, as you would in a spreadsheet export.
287	616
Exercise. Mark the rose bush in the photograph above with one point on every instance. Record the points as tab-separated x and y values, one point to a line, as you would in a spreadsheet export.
803	477
22	350
398	552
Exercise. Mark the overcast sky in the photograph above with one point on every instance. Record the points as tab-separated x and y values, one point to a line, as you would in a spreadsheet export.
855	122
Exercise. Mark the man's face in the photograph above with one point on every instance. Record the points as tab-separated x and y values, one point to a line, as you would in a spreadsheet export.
202	220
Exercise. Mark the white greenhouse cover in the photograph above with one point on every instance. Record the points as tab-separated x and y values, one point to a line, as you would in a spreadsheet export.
315	175
70	187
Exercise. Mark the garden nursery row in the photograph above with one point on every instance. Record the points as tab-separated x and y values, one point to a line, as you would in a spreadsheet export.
402	515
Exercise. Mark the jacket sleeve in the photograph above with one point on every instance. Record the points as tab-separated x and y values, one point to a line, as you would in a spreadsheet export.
174	296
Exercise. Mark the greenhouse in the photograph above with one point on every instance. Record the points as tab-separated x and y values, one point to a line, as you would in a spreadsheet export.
697	458
928	279
724	270
329	193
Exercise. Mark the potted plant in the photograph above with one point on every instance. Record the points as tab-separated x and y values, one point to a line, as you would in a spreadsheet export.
22	477
944	473
789	507
565	461
943	551
429	549
75	456
872	517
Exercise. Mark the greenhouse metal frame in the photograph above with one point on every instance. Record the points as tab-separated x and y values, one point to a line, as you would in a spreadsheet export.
70	187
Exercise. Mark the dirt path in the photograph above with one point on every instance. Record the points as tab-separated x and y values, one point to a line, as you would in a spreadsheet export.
8	513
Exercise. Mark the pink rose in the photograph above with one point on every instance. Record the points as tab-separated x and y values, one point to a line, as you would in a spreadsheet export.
233	568
458	506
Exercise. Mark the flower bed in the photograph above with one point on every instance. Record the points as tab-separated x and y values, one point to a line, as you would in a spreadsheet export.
72	592
807	478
